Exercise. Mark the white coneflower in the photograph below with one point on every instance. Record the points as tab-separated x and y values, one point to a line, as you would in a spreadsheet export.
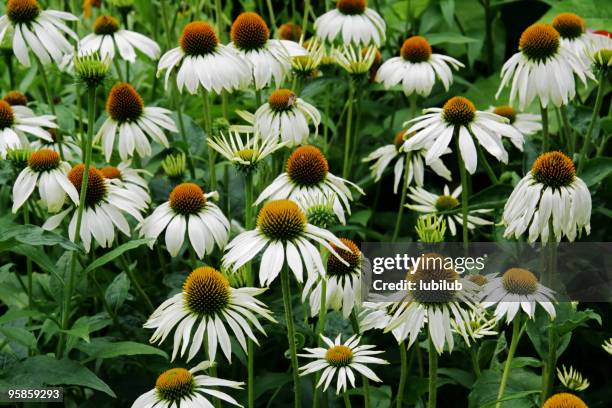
417	68
306	66
435	130
206	305
354	60
353	22
343	281
188	211
16	122
526	123
108	36
38	30
516	289
186	389
71	150
284	235
16	98
200	61
572	379
607	345
245	155
319	209
133	122
341	361
48	172
307	173
477	326
105	204
571	29
543	68
124	176
383	156
429	203
270	59
564	400
549	194
378	314
287	116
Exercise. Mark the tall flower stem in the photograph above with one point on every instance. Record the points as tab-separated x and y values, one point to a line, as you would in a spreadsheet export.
489	44
165	21
272	17
26	221
464	191
487	166
126	23
589	133
571	136
400	211
305	17
286	287
69	288
545	135
433	374
516	335
347	400
346	168
320	330
548	369
49	95
178	105
211	152
248	224
403	375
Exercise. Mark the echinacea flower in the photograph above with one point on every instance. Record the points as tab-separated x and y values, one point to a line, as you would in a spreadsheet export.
286	116
283	235
516	289
70	149
16	122
206	305
341	361
459	118
417	68
179	387
244	155
306	66
343	282
477	326
126	177
16	98
200	61
385	155
574	36
105	204
269	59
188	211
429	203
319	209
290	31
607	345
354	60
525	123
37	30
572	379
550	193
47	171
108	38
543	68
307	173
564	400
353	22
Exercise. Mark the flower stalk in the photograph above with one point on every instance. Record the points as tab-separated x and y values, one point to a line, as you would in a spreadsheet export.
286	288
589	133
516	335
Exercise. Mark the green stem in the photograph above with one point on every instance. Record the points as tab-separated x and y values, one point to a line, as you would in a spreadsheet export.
433	374
366	391
141	293
320	331
218	19
487	166
211	152
516	334
305	18
548	370
8	60
286	288
489	44
347	400
347	140
49	94
26	221
571	137
165	20
83	138
178	105
118	69
403	375
272	17
464	191
545	135
475	363
248	223
589	133
126	24
400	212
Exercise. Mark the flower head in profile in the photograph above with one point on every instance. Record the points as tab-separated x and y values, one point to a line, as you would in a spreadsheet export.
270	59
572	379
352	21
459	118
69	147
18	121
186	388
123	175
108	38
516	289
307	66
134	124
204	309
529	70
201	61
550	194
245	154
478	325
319	209
174	165
574	36
16	98
307	173
290	31
47	171
525	123
37	30
190	212
417	68
341	361
354	60
564	400
284	235
286	116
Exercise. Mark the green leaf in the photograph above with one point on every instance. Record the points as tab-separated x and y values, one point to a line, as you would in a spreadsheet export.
449	38
19	335
17	314
41	371
117	291
519	362
448	11
79	329
103	349
106	258
270	381
521	385
35	236
596	170
461	377
491	197
595	16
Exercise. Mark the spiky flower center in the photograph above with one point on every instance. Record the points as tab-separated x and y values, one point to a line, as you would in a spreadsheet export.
175	385
198	38
7	116
44	160
459	111
111	172
249	31
290	31
281	220
307	166
569	25
15	98
416	49
339	356
351	7
106	25
352	257
206	291
22	11
124	103
507	112
478	279
554	169
401	137
187	198
564	400
446	202
520	281
433	269
246	154
281	100
96	186
321	215
539	42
